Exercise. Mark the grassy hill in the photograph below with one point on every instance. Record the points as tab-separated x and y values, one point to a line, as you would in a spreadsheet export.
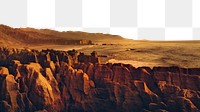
31	36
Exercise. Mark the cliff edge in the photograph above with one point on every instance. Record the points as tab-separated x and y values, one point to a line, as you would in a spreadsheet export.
62	81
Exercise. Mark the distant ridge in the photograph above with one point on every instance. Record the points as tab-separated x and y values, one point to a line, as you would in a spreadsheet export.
31	36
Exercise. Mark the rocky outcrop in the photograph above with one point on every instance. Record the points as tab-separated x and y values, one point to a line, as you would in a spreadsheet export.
62	81
93	58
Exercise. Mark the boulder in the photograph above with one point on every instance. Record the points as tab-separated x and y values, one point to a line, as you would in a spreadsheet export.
4	71
9	92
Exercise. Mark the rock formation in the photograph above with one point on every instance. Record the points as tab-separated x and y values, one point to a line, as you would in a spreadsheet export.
65	81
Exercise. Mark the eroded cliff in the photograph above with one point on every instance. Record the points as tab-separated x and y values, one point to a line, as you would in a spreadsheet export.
68	81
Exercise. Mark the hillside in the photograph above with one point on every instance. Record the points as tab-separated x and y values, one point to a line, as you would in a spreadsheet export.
31	36
71	34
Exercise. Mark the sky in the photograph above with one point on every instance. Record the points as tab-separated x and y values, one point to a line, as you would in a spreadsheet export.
135	19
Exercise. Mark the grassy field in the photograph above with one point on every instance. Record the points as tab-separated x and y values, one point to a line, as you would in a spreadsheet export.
161	53
142	53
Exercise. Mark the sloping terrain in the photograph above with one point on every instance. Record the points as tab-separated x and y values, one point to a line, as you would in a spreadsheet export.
72	34
30	36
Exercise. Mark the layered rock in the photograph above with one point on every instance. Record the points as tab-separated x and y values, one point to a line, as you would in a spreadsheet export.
61	81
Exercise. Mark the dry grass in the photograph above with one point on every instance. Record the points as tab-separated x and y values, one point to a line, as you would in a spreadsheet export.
146	53
166	53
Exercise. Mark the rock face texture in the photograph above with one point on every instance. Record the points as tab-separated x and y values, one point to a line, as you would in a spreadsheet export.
65	81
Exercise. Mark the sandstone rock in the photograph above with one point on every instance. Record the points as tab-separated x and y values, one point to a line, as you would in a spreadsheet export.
57	68
94	58
172	106
14	68
92	85
90	71
22	85
80	81
175	79
42	110
146	94
186	104
64	81
132	101
54	57
4	106
29	107
58	105
65	73
47	57
26	56
87	68
51	65
4	71
158	107
144	74
153	106
109	65
170	90
40	91
102	72
12	89
119	91
73	54
183	79
66	98
42	58
145	110
190	81
82	58
162	76
194	71
9	92
141	86
69	60
194	96
161	110
35	66
121	74
160	69
81	66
